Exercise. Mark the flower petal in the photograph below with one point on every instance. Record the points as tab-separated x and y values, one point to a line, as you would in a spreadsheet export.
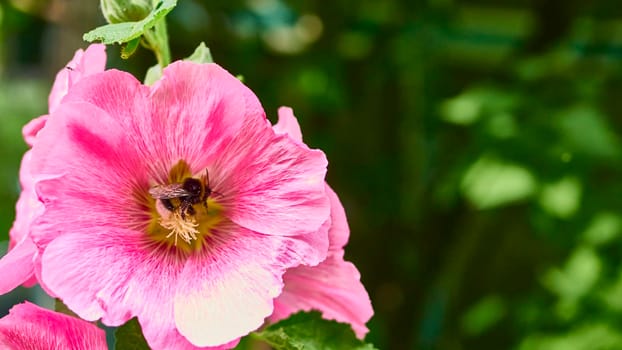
226	292
190	113
300	206
87	176
17	266
28	209
201	108
84	63
271	184
339	232
135	282
29	326
138	280
86	288
32	128
333	287
288	124
28	205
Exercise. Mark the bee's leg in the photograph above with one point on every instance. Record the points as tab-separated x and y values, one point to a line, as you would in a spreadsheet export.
186	208
168	204
190	209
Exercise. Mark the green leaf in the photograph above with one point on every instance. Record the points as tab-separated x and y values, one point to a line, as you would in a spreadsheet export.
201	54
586	130
561	198
124	32
492	182
483	315
129	48
578	276
130	337
604	228
309	331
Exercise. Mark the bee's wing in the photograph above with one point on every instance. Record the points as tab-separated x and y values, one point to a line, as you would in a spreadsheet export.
168	191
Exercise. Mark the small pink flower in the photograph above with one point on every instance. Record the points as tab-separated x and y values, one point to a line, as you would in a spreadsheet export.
197	273
332	287
19	265
28	326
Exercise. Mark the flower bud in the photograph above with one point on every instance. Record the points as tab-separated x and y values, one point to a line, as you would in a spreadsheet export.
118	11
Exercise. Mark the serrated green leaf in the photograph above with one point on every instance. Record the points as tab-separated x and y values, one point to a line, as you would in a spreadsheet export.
130	337
309	331
201	54
124	32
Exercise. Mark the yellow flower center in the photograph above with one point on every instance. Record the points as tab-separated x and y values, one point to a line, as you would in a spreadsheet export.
184	227
179	219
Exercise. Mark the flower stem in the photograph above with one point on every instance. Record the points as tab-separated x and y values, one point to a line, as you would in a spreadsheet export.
157	38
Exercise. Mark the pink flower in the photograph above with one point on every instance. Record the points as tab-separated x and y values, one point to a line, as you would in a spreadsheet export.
332	287
29	326
124	171
19	266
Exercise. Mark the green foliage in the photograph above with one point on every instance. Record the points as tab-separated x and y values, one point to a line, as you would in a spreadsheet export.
128	49
585	130
483	315
578	276
561	198
469	106
309	331
599	336
124	32
201	54
603	228
130	337
153	74
490	182
118	11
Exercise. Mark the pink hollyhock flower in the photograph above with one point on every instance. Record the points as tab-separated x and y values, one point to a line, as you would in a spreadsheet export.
28	326
332	287
18	266
176	203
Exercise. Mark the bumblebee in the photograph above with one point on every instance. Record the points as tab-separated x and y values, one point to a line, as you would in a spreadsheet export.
188	193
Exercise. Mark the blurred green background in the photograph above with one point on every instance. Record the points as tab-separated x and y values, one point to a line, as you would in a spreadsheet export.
475	146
